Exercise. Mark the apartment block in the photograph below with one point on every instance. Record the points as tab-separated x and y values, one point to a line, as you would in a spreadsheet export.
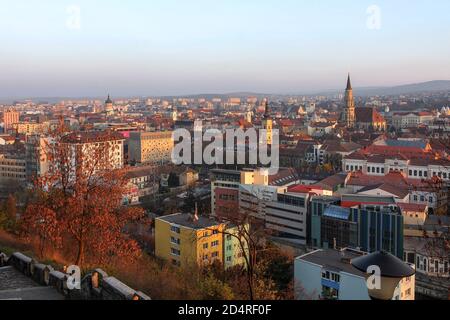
186	240
150	147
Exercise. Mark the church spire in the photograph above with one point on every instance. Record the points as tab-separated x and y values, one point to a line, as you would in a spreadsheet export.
349	83
266	110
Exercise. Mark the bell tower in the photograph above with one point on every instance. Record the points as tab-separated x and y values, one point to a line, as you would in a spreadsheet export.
268	123
348	115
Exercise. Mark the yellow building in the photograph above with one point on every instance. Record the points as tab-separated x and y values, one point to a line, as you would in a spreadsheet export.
150	147
30	128
185	240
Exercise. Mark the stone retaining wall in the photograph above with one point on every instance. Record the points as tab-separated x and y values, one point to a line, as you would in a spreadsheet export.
96	285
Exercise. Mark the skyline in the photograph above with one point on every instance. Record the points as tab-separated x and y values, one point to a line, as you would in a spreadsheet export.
174	48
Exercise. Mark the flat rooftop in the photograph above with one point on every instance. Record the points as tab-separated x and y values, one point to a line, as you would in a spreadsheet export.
187	220
334	260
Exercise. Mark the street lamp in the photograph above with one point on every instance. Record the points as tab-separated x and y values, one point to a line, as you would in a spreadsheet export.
392	269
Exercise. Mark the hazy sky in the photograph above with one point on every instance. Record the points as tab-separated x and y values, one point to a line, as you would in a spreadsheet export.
164	47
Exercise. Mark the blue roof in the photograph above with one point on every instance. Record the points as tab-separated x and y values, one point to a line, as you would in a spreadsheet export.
337	212
407	143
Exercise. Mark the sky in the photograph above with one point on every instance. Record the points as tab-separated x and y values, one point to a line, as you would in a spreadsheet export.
89	48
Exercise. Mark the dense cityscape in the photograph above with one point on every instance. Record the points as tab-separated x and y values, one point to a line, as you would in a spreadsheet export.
253	152
356	176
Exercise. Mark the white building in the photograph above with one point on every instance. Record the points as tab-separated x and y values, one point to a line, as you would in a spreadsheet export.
379	165
411	119
283	212
320	129
328	274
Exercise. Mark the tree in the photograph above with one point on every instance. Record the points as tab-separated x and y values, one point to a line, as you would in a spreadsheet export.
250	234
8	214
78	203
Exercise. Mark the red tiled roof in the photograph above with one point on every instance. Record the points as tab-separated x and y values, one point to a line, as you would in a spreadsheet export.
412	207
368	115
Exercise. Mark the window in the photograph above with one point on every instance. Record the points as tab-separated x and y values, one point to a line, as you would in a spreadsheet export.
175	252
215	254
425	174
416	198
215	243
408	292
229	237
410	172
205	246
175	229
176	263
415	173
431	200
378	170
420	173
422	198
229	259
215	231
175	240
335	277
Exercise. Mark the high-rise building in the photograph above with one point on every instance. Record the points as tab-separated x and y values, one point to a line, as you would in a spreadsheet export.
348	117
369	227
95	151
10	117
150	147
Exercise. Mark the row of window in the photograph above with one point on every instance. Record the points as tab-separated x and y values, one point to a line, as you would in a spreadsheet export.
431	266
412	173
175	240
423	199
292	201
213	255
227	197
213	244
375	170
331	276
418	173
354	168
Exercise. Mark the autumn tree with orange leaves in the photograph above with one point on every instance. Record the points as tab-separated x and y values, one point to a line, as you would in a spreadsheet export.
77	206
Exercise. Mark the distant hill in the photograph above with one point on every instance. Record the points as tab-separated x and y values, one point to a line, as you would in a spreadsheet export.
430	86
